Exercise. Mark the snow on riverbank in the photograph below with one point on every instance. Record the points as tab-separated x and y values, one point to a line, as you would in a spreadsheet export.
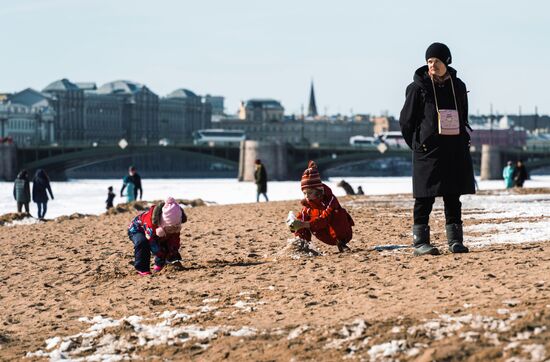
88	196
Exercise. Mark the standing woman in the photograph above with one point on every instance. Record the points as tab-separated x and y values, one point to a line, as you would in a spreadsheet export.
433	122
41	184
22	191
260	178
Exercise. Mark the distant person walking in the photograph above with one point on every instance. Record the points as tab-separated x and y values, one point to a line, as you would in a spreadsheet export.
137	183
508	175
260	178
110	197
128	184
433	122
40	189
22	191
360	190
520	174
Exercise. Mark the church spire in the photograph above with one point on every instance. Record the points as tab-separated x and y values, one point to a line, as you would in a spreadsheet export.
312	107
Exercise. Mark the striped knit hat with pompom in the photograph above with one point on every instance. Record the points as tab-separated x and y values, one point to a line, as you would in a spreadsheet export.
311	178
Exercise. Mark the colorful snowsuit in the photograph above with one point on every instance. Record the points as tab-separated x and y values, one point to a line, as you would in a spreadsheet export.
142	232
328	221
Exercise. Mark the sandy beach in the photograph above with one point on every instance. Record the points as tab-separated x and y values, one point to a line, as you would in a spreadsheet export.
68	288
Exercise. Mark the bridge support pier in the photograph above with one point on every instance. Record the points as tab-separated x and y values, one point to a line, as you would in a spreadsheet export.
8	162
272	154
491	163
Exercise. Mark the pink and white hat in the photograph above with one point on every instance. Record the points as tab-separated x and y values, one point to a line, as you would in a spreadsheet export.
170	218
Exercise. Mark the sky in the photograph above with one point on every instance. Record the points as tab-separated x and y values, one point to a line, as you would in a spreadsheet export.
360	54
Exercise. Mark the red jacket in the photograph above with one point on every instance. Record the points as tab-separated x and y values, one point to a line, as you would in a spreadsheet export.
328	221
164	247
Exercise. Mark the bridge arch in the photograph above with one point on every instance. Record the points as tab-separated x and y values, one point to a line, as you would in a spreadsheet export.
58	164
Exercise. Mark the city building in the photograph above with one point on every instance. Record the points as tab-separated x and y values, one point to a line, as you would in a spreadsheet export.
261	110
532	123
67	100
217	103
181	113
104	116
140	112
27	118
498	137
384	124
305	132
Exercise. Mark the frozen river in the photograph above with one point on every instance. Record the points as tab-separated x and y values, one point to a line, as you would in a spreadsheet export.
88	196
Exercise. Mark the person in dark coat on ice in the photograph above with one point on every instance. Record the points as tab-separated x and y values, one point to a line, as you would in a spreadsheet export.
520	174
434	122
22	191
40	187
260	178
137	183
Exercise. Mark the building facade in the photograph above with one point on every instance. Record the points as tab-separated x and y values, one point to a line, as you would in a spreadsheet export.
261	110
181	113
104	116
27	118
217	104
384	124
67	100
304	132
139	113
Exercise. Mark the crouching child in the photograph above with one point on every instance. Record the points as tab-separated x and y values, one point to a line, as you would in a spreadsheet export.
321	214
157	231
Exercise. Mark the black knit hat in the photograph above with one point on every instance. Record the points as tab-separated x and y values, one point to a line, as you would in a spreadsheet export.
439	51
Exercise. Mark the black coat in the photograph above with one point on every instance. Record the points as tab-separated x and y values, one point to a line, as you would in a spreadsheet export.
260	176
520	175
41	184
442	165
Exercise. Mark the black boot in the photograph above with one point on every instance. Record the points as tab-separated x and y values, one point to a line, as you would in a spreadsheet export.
342	246
421	241
455	238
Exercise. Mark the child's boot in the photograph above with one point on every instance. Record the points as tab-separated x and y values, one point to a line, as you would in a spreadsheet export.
421	241
144	273
455	238
158	268
342	246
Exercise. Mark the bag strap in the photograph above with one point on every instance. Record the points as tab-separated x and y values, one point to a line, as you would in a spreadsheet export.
435	94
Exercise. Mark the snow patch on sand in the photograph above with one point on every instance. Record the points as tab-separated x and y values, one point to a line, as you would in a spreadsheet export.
297	332
509	233
110	339
470	328
25	221
349	333
507	207
388	349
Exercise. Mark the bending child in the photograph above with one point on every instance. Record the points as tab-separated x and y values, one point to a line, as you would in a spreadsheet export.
157	231
322	214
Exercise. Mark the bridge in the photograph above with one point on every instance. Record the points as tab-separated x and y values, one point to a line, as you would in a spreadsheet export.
57	160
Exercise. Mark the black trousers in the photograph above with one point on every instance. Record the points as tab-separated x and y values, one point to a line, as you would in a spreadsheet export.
423	208
20	206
